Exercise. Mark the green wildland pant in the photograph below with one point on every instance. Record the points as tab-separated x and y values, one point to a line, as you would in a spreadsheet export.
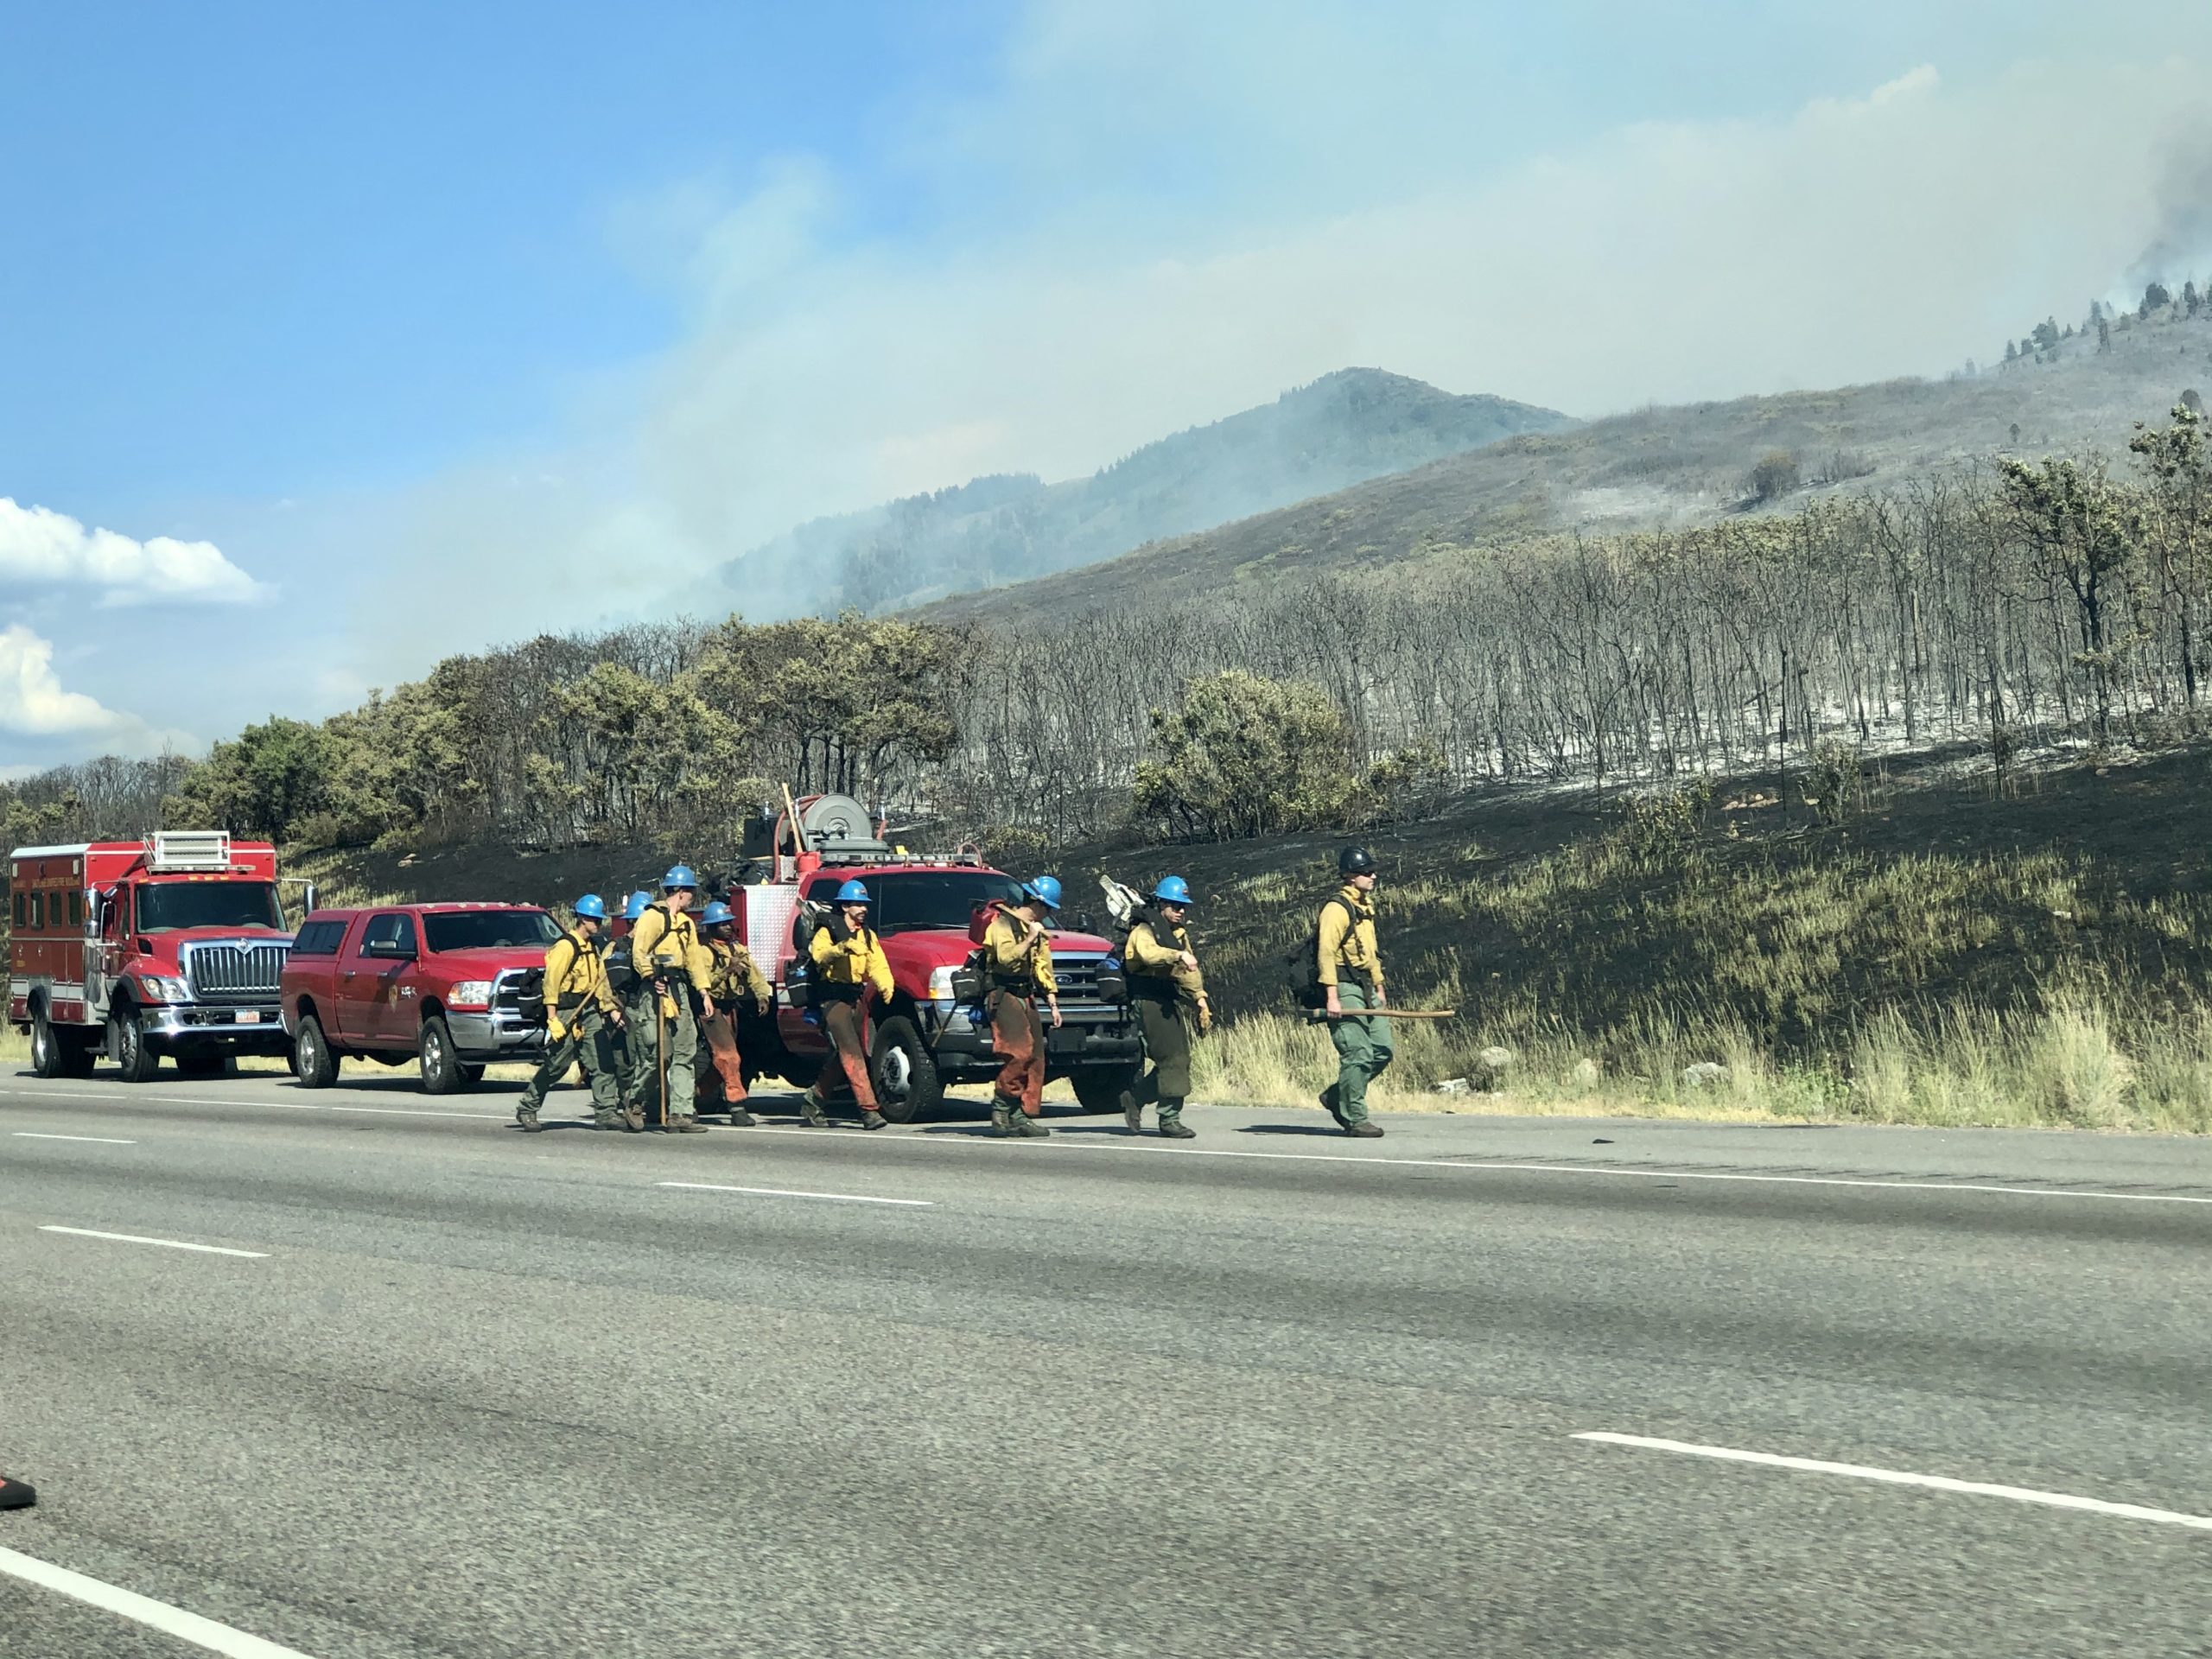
639	1078
1363	1050
589	1038
680	1032
1167	1045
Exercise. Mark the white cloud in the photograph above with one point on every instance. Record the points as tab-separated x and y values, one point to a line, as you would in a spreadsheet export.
38	545
33	703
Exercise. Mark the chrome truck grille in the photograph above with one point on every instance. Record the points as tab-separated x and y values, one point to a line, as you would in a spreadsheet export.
234	971
508	990
1078	977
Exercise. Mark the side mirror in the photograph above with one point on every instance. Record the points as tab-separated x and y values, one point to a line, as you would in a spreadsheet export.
307	897
1083	922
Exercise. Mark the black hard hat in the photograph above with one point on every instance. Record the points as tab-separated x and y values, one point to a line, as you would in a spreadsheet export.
1355	861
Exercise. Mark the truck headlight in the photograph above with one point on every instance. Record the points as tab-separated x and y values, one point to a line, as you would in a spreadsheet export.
164	990
472	994
941	984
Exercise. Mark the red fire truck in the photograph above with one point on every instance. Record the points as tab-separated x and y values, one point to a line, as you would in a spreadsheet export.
134	950
925	1039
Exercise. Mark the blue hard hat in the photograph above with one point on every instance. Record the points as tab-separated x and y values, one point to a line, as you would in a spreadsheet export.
591	908
1171	890
636	906
680	876
1046	890
854	893
717	912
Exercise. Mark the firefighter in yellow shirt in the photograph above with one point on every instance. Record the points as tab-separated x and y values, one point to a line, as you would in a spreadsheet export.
735	983
1169	995
850	970
581	1018
665	952
1351	975
1017	970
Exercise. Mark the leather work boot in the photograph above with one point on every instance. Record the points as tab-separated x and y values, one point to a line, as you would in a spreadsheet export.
1174	1128
1002	1117
1028	1127
633	1119
1329	1105
607	1118
810	1104
1133	1112
872	1119
1365	1130
740	1119
686	1124
526	1118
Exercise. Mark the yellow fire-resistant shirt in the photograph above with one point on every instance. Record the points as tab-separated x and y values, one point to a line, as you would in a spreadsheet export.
857	959
1004	955
576	974
666	939
1348	944
736	977
1156	951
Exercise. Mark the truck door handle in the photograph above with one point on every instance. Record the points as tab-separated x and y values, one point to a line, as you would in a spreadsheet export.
348	974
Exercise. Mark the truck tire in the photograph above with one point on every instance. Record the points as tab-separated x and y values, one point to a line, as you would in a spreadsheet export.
313	1064
905	1072
1099	1088
434	1052
46	1048
134	1056
56	1054
52	1054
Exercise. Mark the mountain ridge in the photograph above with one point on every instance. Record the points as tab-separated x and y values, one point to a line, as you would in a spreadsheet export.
1346	426
1667	467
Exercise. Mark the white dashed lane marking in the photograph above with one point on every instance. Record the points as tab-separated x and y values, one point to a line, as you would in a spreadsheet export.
1906	1477
164	1243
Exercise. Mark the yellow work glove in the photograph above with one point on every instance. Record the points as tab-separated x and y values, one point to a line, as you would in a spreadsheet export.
555	1031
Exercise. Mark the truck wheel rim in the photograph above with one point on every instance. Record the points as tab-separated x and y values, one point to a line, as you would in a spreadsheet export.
41	1041
897	1078
434	1052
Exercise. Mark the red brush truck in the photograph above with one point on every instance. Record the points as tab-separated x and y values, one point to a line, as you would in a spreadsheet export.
172	946
924	1040
442	986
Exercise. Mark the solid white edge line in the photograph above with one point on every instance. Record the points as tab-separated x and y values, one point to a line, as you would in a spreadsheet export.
1064	1145
786	1193
156	1615
166	1243
1537	1169
1905	1477
98	1140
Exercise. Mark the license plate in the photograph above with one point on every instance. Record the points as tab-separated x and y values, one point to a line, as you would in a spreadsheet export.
249	1016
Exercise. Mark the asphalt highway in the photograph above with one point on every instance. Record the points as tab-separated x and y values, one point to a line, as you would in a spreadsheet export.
463	1391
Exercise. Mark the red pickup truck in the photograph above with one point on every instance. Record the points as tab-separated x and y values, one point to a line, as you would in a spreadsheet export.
923	1039
441	985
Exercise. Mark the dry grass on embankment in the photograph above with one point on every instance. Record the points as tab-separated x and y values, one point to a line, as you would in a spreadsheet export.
1943	956
2068	1068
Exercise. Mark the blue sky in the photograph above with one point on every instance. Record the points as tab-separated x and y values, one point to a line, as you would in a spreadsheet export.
537	311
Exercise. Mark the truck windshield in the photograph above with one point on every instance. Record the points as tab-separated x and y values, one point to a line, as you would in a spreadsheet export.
165	906
936	899
489	930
